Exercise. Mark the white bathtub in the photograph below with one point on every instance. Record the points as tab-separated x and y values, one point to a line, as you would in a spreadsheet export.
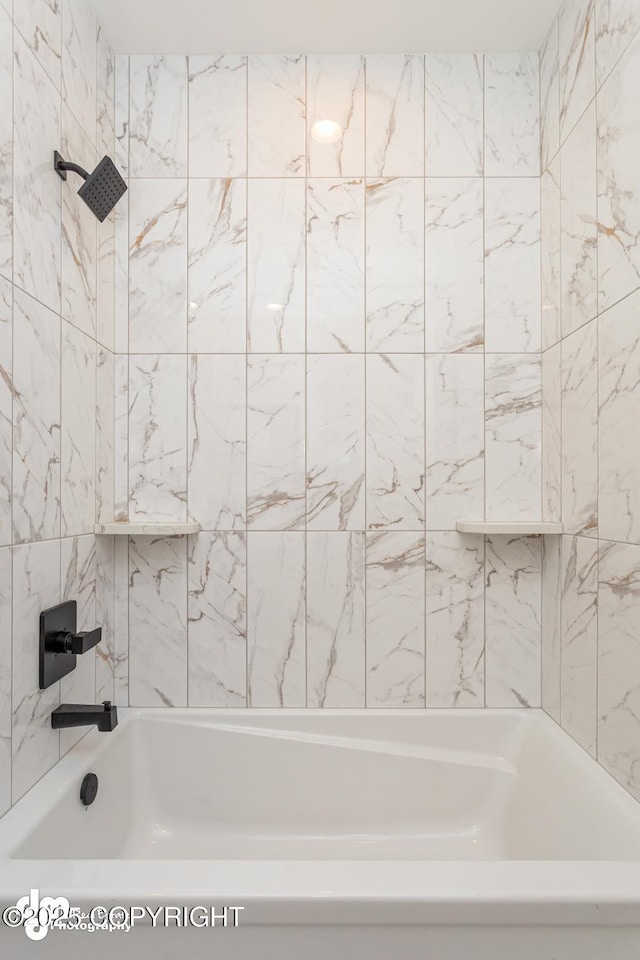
377	834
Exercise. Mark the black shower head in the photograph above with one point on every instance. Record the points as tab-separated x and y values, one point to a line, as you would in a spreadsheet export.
101	189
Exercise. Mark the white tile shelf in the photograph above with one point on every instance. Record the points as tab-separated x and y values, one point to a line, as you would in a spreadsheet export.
506	527
125	528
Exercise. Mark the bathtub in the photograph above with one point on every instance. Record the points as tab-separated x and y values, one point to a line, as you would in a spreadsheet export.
365	834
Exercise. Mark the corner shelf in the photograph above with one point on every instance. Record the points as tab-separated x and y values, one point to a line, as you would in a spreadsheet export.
145	528
506	527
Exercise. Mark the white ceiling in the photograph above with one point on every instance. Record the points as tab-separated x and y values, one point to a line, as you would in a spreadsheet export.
325	26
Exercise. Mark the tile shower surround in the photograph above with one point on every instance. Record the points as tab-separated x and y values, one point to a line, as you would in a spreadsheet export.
326	354
589	72
56	370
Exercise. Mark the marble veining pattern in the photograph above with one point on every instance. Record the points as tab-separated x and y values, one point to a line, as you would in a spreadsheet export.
454	111
276	619
618	390
513	617
276	116
550	250
580	432
454	439
217	281
336	442
395	116
618	194
550	96
454	264
78	434
276	266
78	573
551	624
335	91
454	620
217	435
579	631
335	619
79	62
552	433
619	662
577	61
6	146
276	442
579	229
512	265
395	619
511	115
158	121
616	24
5	678
217	619
158	621
513	429
6	409
335	265
40	24
395	265
218	139
395	477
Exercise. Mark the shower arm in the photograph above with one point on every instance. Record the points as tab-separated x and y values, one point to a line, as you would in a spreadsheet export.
61	166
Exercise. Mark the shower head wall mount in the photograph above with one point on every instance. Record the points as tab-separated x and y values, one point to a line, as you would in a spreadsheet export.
101	189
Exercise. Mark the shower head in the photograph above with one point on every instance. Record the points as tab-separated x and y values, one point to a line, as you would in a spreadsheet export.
101	189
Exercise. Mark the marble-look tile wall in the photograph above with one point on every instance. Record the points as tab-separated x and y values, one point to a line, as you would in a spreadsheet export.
590	71
56	371
326	354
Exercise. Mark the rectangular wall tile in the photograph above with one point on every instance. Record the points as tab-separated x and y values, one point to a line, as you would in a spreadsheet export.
121	109
512	264
579	228
580	432
158	266
105	282
618	462
511	115
335	619
216	469
395	620
5	678
217	266
551	624
455	439
105	93
577	61
121	621
6	146
37	204
158	116
395	442
455	620
552	434
78	582
336	442
335	91
276	266
217	614
513	618
276	624
40	23
78	434
104	429
454	264
36	586
579	674
550	96
513	430
276	123
105	618
157	437
454	111
79	48
395	115
276	443
395	265
79	235
335	266
6	409
158	621
619	663
550	247
616	24
218	137
36	435
618	194
121	437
